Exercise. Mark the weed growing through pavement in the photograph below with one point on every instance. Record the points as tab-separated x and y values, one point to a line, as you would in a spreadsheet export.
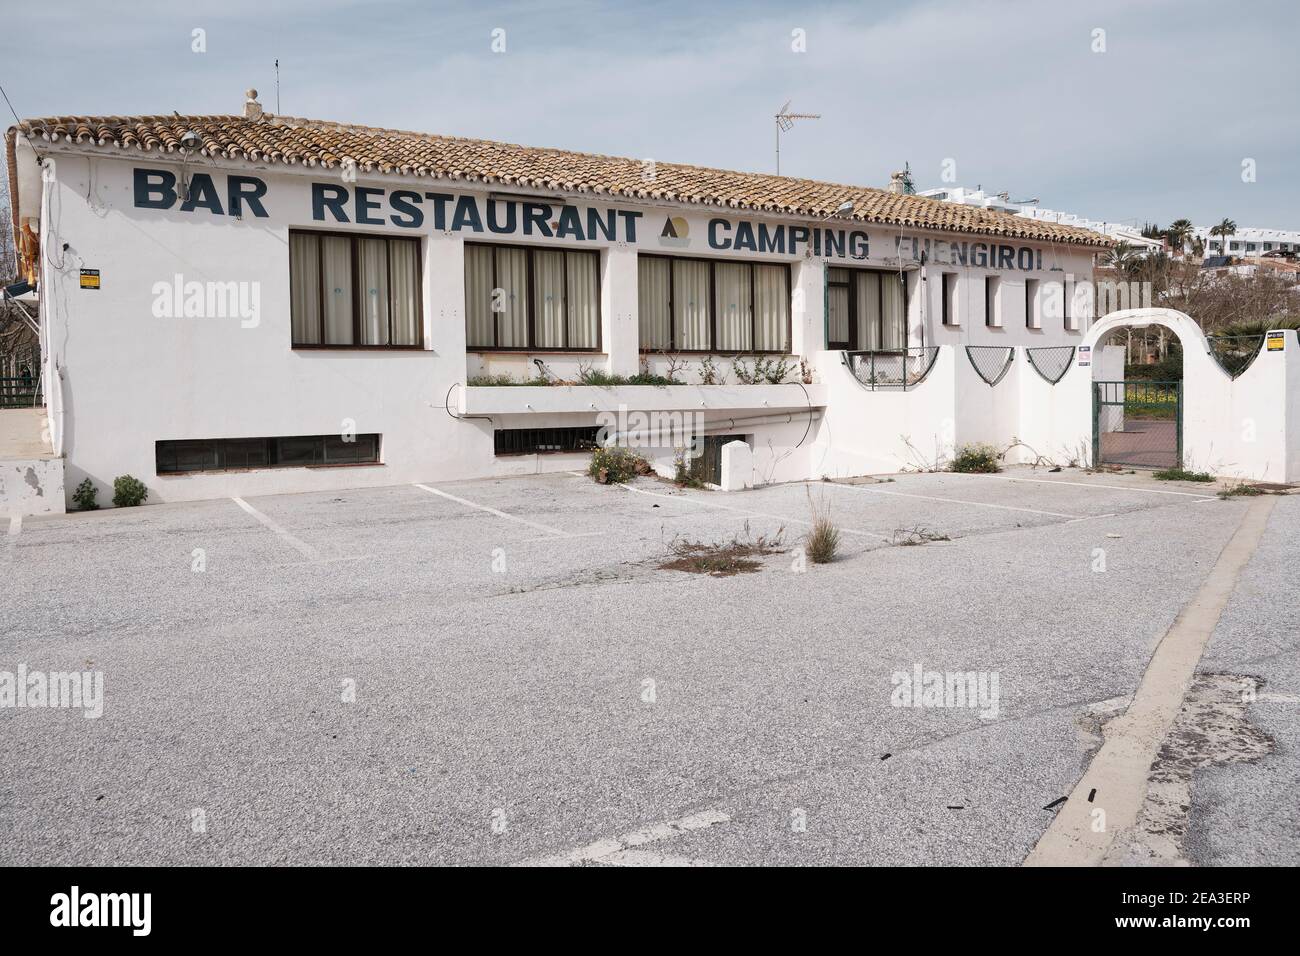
824	538
1240	489
722	560
910	537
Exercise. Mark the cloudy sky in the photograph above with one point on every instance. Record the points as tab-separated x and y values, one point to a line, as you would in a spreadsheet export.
1014	93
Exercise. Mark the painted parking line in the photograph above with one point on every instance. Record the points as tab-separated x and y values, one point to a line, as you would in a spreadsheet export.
748	513
626	850
954	501
303	548
493	511
1121	768
1085	484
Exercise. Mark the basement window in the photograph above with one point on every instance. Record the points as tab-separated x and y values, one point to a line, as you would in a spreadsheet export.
543	441
187	456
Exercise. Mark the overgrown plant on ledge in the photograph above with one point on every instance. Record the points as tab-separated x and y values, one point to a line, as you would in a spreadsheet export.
486	381
710	374
769	371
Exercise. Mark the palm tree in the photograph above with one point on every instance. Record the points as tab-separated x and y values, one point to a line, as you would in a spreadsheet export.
1178	233
1123	257
1223	230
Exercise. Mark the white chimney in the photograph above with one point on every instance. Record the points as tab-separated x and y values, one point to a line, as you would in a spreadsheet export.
897	183
252	108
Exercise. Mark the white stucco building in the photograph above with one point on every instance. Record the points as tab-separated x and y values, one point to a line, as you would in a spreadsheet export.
1001	202
251	304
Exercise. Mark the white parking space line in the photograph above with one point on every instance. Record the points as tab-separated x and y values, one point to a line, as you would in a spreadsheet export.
1085	484
623	850
748	513
953	501
302	546
493	511
15	525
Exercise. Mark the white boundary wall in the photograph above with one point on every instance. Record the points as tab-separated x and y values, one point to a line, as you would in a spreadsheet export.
1248	427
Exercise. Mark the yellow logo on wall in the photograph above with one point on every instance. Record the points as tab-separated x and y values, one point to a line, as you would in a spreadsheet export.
676	232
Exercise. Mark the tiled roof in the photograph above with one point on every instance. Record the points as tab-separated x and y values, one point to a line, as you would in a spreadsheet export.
312	143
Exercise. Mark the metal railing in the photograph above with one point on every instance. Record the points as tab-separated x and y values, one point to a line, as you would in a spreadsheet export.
18	392
892	368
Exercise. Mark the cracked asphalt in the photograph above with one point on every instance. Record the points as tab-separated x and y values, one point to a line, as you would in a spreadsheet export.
507	673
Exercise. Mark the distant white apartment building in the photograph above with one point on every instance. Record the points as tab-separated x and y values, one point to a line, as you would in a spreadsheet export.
1001	202
1250	241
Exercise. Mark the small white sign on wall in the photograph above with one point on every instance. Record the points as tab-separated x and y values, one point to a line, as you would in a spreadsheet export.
1085	355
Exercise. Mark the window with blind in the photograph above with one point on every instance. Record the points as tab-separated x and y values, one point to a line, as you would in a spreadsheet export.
866	310
705	305
519	297
354	291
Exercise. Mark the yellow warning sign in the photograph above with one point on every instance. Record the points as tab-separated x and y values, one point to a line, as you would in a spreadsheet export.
1276	342
90	278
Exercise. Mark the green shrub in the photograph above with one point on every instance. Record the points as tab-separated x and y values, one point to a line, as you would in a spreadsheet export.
823	541
616	465
128	491
1181	474
689	473
84	496
976	459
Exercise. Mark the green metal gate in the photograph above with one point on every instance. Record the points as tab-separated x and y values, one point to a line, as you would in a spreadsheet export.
1138	424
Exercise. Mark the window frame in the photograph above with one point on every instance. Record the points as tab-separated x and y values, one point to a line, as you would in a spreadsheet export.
948	299
852	286
713	307
991	285
1033	320
273	454
353	237
531	323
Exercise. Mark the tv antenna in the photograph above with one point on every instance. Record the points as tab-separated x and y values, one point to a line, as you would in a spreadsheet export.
784	123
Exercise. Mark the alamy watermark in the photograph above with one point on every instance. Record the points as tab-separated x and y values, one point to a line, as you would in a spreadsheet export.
76	690
179	299
951	689
654	429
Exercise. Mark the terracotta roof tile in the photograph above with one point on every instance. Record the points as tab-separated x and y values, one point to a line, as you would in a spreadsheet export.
292	141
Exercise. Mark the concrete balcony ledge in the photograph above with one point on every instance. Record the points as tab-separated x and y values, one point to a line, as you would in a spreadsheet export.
553	399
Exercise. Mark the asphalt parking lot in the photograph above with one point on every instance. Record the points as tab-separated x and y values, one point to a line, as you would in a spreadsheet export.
500	671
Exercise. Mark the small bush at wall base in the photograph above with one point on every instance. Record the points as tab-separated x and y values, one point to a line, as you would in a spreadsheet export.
689	473
611	466
84	496
1181	474
128	491
976	459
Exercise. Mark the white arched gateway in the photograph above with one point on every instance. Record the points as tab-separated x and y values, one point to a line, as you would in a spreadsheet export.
1236	411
